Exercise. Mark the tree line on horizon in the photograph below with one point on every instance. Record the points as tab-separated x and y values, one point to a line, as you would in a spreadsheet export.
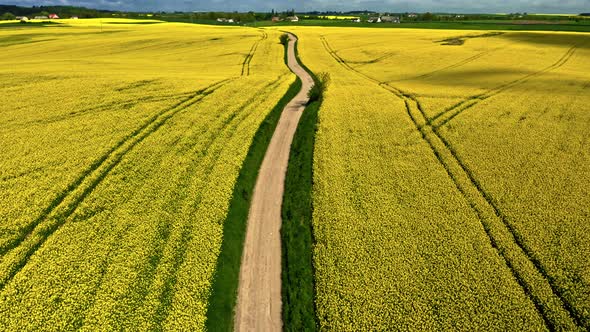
10	12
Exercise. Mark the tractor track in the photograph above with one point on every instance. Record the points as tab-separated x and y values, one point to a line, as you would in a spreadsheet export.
373	61
106	107
165	232
250	55
16	253
229	125
449	114
474	193
453	66
151	272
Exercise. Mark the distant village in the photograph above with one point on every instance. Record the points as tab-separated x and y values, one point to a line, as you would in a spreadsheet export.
374	18
24	19
295	18
45	13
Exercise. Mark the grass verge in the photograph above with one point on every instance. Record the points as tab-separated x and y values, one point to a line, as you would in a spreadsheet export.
298	289
222	300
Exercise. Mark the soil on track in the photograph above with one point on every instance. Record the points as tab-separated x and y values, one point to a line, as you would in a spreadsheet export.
259	294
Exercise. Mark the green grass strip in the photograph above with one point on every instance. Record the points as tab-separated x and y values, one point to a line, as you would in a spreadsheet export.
222	300
298	289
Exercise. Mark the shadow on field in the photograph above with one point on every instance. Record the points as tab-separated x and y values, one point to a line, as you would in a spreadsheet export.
23	39
549	39
31	25
493	77
27	37
468	77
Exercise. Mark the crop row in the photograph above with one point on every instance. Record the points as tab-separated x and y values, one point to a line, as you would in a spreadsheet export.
551	300
132	241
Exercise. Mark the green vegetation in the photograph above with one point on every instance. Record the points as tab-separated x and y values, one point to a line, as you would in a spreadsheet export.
441	185
7	16
284	39
114	205
61	11
322	81
296	231
450	194
222	300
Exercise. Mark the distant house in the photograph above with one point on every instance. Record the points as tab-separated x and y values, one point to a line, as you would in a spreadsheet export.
53	16
276	19
412	15
74	17
390	19
23	19
41	17
292	19
374	19
231	20
356	20
222	20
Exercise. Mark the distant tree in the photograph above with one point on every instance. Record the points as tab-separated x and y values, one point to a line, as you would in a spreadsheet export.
427	16
7	16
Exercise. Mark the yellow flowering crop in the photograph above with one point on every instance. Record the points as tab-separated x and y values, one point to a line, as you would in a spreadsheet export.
120	151
451	179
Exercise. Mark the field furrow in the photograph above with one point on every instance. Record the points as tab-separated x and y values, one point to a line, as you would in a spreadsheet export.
549	300
443	118
512	243
131	237
17	251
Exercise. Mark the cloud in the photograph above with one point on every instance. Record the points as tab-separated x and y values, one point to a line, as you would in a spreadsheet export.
459	6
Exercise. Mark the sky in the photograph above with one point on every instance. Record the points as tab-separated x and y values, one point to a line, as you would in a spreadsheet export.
455	6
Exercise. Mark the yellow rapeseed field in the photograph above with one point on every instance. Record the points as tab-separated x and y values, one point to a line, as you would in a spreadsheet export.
121	145
450	183
451	179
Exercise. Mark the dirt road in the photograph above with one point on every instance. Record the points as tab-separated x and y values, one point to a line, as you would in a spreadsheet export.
259	294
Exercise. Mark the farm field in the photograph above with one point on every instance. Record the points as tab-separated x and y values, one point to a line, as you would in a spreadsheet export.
451	173
450	176
121	146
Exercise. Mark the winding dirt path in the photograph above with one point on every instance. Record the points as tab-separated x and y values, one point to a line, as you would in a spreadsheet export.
259	294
